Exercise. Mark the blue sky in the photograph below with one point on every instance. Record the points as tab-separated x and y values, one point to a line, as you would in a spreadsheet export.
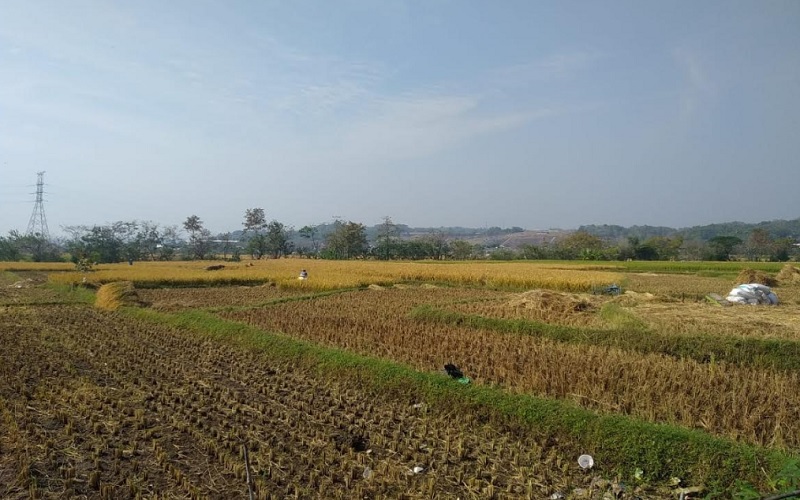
433	112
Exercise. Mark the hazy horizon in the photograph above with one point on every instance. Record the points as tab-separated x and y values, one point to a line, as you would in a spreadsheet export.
435	113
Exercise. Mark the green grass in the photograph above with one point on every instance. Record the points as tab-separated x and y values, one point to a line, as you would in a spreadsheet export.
74	294
644	266
44	294
630	335
620	444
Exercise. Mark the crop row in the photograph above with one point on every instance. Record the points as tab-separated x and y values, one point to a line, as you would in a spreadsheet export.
175	299
754	405
102	405
667	317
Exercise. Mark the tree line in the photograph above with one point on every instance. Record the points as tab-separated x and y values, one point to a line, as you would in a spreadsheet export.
581	245
262	238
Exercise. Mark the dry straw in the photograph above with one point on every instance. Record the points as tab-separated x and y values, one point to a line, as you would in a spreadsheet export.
112	296
753	276
788	274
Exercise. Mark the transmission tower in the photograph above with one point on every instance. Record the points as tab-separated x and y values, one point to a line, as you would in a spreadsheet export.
37	226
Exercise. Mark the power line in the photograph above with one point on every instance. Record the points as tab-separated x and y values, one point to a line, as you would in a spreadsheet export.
37	226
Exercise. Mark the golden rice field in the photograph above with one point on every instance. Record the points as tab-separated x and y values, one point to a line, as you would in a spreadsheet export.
331	275
104	404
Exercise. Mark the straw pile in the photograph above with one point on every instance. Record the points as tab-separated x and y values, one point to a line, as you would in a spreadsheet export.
788	274
552	304
112	296
753	276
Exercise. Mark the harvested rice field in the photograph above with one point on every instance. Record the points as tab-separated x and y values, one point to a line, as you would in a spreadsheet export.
128	390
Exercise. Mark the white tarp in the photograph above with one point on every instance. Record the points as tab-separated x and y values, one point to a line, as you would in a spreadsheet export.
754	294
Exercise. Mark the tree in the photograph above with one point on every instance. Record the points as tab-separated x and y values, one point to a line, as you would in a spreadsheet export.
310	233
257	246
694	250
199	237
646	251
277	239
437	243
533	252
666	248
721	247
225	244
103	244
9	248
415	249
387	239
577	243
255	221
503	254
168	242
782	249
347	241
461	250
36	247
635	249
758	246
193	224
126	233
155	243
99	244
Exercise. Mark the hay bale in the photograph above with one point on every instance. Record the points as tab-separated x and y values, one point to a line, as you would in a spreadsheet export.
788	274
112	296
752	276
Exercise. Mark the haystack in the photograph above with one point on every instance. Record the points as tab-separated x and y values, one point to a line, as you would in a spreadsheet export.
552	303
788	274
112	296
753	276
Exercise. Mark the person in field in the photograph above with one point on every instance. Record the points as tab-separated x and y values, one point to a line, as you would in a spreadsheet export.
303	275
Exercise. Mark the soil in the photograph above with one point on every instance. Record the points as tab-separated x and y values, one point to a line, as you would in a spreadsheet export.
95	404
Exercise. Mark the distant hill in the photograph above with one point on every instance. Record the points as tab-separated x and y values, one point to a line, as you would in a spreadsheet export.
777	229
516	237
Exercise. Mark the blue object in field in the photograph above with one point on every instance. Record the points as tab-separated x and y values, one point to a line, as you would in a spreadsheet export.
612	289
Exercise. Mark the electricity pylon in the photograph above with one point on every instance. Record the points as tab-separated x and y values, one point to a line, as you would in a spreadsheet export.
37	226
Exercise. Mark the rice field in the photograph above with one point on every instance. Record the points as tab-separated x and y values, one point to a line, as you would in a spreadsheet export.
178	368
332	275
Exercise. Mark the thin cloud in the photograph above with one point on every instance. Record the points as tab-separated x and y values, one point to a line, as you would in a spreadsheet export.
554	66
394	129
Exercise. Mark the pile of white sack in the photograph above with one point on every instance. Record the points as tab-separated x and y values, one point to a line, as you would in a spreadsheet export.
753	294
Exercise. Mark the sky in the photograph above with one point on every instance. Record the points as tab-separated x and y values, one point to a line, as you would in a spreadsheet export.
538	114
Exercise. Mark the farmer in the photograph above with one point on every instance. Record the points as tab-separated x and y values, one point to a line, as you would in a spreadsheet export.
303	275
